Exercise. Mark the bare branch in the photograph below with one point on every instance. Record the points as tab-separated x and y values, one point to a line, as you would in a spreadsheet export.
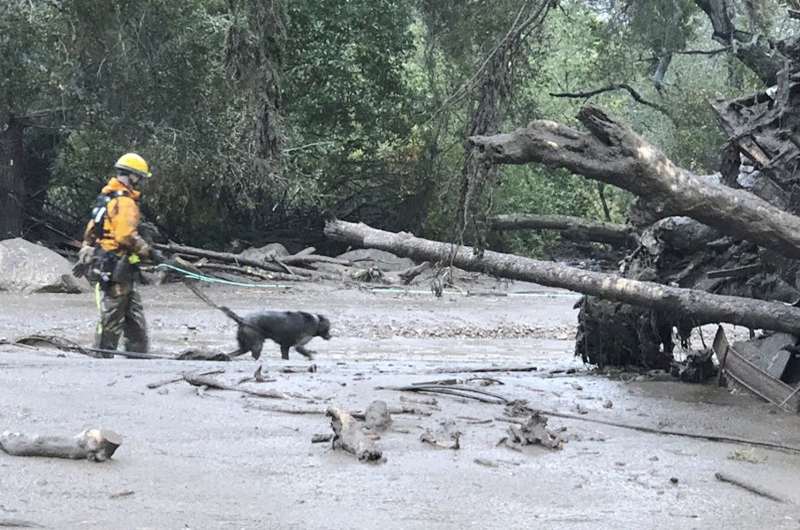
621	86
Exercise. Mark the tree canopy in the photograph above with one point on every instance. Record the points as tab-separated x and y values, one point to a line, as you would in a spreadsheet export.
260	119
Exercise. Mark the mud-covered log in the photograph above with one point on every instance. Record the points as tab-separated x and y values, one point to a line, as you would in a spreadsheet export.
95	445
349	436
696	307
575	228
612	153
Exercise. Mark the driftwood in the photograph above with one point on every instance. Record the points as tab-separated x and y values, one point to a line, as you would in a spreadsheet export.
226	257
408	275
612	153
723	477
485	369
248	271
349	436
95	445
532	431
453	390
694	306
359	415
574	228
710	437
159	384
450	440
210	382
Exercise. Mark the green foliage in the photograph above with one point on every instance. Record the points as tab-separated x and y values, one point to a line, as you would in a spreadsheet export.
375	98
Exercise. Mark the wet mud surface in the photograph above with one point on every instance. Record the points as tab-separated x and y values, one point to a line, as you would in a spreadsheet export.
219	460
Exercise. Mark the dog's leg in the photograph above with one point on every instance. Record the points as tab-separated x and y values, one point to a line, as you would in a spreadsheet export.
257	350
285	352
305	351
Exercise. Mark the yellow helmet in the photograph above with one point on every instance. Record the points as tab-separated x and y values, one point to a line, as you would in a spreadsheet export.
133	163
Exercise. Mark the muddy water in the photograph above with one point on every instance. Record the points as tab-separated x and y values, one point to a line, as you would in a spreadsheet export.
218	461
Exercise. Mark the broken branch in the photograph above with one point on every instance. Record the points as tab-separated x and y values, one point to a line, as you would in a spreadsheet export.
612	153
722	477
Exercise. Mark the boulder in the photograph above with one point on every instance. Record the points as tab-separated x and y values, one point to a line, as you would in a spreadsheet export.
266	252
364	258
30	268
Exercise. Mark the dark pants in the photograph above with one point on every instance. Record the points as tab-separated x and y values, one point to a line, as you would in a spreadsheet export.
122	312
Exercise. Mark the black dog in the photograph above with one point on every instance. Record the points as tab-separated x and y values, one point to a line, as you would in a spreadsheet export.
287	328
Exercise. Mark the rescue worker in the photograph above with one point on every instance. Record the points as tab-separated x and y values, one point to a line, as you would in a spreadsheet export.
112	249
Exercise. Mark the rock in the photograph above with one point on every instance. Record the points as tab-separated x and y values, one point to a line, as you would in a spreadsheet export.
266	252
377	417
30	268
364	258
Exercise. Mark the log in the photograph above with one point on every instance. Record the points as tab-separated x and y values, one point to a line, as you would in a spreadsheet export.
349	436
95	445
612	153
695	307
575	228
226	257
210	382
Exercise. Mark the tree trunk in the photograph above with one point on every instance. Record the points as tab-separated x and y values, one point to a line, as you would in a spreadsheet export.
12	182
691	306
575	228
614	154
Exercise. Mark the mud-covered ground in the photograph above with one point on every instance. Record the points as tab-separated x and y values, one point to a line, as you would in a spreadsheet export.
217	460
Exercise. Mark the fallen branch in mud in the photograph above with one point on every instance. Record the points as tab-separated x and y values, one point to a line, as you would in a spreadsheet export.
612	153
453	390
526	410
201	381
722	477
248	271
95	445
694	306
573	228
359	415
159	384
486	369
349	436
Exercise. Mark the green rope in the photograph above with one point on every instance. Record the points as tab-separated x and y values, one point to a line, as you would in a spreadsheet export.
200	277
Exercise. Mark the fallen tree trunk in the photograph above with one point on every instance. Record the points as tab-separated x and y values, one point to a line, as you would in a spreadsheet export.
614	154
693	307
92	444
575	228
349	436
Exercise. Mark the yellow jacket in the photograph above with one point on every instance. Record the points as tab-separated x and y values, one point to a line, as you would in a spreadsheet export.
120	224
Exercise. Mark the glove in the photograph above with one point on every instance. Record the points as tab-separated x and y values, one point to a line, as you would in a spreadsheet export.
85	256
